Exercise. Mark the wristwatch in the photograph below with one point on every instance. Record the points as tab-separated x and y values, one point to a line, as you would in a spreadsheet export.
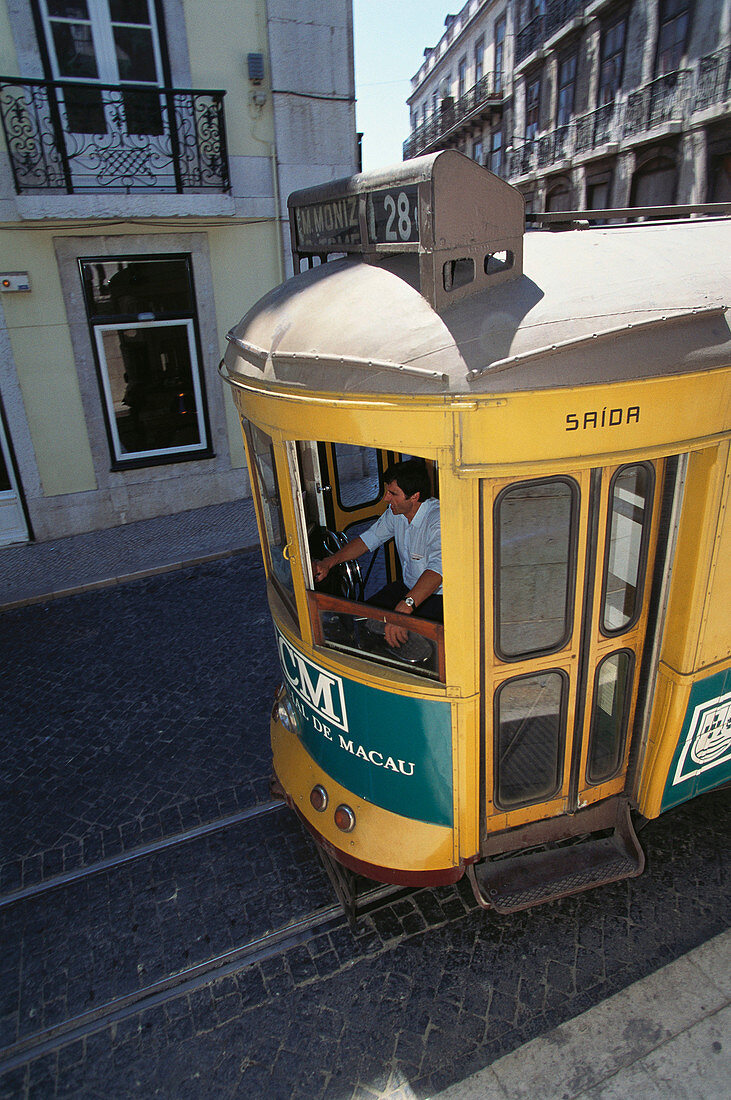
410	603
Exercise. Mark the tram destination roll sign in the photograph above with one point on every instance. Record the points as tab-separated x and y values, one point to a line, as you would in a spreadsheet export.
391	217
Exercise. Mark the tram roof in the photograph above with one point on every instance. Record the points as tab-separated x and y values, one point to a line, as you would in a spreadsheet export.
591	306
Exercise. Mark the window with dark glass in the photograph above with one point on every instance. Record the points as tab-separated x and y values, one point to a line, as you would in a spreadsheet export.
628	530
674	19
477	151
612	60
566	90
462	77
266	485
105	42
499	52
529	737
535	551
532	107
479	60
496	152
609	716
143	325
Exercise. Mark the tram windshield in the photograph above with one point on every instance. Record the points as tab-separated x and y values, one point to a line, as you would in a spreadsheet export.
352	501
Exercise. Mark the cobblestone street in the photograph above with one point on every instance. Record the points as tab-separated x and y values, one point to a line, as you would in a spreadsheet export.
138	714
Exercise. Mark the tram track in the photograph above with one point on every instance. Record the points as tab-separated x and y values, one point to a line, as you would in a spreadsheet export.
66	878
189	979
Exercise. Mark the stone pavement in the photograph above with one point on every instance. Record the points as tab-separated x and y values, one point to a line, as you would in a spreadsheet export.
665	1037
45	570
136	714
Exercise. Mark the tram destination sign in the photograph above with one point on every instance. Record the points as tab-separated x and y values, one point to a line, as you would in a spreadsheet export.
391	218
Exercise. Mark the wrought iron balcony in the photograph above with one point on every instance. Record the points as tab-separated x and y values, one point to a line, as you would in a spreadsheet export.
81	138
713	83
487	92
554	146
662	100
596	128
536	32
521	159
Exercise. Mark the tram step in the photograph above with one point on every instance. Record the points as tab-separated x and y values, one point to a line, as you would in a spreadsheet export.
520	881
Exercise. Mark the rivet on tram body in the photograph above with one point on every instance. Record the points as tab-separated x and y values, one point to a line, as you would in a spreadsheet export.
345	818
318	798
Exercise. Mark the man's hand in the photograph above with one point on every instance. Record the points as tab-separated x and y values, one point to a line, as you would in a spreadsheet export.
397	635
320	569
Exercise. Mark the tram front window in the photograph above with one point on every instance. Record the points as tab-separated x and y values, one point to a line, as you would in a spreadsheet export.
377	581
267	485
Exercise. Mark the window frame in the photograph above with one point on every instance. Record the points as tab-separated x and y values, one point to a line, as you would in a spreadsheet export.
605	58
562	720
119	321
680	9
626	710
605	631
571	572
532	108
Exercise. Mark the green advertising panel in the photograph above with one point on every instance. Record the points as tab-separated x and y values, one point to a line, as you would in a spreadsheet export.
391	750
702	759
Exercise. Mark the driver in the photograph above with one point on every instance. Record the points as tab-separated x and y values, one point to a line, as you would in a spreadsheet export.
412	519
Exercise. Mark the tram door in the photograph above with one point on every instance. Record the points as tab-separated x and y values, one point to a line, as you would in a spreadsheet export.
569	568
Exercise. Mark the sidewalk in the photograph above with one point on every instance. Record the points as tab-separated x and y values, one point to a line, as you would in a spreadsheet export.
40	571
667	1037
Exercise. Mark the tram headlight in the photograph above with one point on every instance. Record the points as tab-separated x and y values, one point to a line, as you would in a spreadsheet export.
319	798
345	818
284	712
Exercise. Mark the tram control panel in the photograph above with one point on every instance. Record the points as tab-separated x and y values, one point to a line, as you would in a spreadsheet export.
563	402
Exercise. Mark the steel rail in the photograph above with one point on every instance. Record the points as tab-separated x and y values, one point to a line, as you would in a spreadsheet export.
186	981
65	878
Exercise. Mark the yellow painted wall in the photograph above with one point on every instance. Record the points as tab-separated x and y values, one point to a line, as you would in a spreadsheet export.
244	266
41	343
8	60
217	48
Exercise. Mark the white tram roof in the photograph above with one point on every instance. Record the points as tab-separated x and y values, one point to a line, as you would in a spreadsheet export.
591	306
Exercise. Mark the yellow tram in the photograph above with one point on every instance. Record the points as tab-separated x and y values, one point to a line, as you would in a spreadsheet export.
569	394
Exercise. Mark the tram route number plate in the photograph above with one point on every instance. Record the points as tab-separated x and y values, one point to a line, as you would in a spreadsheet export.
392	217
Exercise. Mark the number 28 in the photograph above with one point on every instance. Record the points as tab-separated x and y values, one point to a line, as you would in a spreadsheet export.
399	217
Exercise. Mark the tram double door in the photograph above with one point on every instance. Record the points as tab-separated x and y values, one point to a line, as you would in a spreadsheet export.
569	571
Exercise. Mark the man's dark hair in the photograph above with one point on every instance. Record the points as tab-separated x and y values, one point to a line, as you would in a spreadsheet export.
411	477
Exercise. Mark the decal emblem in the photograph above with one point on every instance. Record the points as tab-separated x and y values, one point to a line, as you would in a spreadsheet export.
708	742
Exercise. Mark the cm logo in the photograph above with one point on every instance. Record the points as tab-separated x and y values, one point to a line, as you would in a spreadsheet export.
320	689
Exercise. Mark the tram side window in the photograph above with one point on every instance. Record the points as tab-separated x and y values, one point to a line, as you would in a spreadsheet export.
630	505
356	470
355	585
267	486
610	712
535	551
529	723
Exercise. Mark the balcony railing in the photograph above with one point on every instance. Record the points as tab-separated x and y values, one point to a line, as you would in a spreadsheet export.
663	100
78	138
713	84
487	91
595	128
535	33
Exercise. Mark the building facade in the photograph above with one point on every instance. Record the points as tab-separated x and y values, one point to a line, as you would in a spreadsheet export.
584	104
148	148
